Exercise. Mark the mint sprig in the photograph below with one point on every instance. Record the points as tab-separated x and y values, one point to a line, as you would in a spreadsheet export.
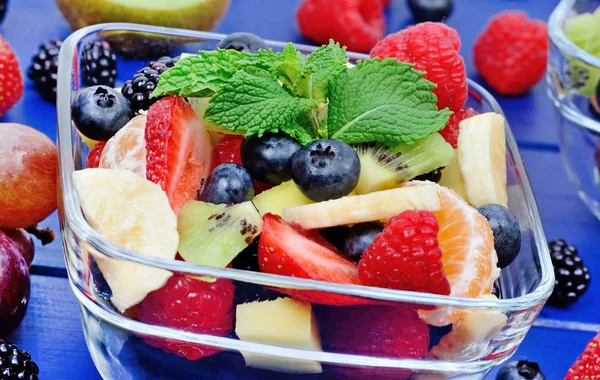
309	97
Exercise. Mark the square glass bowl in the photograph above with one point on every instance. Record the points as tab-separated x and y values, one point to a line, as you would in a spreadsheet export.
117	341
572	78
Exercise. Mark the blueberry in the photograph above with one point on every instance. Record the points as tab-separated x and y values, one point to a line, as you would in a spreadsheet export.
521	370
430	10
247	42
268	158
335	236
359	239
99	112
227	184
326	169
507	234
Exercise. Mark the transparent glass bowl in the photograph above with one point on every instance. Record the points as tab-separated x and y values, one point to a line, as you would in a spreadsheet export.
116	341
571	79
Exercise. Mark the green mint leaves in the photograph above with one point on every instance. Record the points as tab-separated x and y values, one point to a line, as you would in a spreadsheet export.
309	97
384	101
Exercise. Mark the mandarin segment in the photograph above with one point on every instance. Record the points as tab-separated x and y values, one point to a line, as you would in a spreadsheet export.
127	148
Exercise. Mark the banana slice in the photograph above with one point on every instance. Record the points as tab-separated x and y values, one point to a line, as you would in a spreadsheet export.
380	205
482	159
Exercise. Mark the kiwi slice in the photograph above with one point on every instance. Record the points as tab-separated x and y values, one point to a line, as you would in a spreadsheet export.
213	235
382	168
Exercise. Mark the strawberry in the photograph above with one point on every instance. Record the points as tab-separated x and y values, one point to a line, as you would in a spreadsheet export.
178	148
291	251
93	158
587	365
11	81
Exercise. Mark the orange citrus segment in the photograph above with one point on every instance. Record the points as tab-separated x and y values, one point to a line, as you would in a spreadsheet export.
468	255
127	148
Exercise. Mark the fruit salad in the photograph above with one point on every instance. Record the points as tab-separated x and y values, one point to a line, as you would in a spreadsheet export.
365	173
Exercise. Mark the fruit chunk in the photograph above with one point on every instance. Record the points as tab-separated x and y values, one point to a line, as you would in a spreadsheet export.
467	244
127	148
471	336
178	148
134	213
482	159
28	176
452	178
213	235
282	322
382	168
289	251
186	14
14	285
380	205
93	158
279	197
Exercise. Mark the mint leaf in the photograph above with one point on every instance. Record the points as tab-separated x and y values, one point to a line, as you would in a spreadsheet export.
300	131
383	101
321	66
288	70
255	104
203	74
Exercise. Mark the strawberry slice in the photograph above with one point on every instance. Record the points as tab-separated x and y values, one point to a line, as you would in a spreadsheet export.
290	251
93	158
178	148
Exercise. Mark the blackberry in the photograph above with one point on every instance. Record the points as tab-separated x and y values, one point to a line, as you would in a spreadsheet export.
572	276
433	176
44	69
16	364
98	64
138	90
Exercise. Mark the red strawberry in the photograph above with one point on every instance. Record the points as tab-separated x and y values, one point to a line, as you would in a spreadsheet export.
377	331
190	305
228	149
178	148
358	24
406	256
450	131
93	158
11	81
290	251
587	365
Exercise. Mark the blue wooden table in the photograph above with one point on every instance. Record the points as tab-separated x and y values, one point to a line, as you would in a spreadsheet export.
51	331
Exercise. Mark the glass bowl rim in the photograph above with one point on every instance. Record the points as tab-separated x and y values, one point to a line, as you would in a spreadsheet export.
560	39
72	217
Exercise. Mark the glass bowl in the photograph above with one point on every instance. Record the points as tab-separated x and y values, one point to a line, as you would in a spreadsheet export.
571	79
117	341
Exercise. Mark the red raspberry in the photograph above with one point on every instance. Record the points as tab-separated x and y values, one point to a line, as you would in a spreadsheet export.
190	305
93	158
378	331
406	256
450	131
587	365
433	48
358	24
511	53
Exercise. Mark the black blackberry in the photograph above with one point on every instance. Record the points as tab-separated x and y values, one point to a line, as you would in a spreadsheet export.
572	276
433	176
16	364
98	64
139	89
44	69
3	9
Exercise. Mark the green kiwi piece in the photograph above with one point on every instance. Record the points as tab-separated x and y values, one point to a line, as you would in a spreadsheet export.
384	168
213	235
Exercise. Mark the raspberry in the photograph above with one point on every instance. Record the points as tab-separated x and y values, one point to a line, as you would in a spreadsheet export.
358	24
190	305
433	48
511	52
93	158
378	331
450	131
587	365
406	256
